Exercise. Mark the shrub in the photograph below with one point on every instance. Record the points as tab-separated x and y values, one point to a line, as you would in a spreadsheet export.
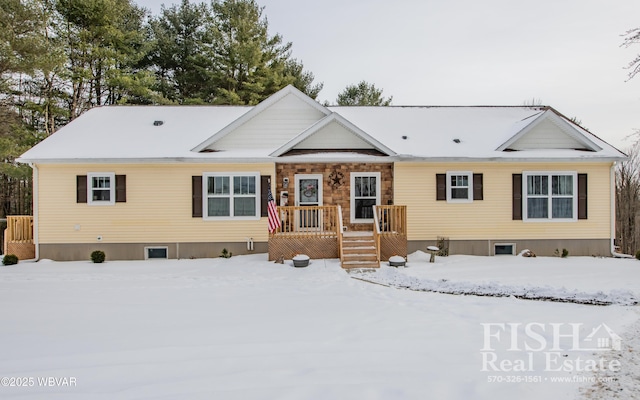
565	253
98	256
638	254
226	253
10	259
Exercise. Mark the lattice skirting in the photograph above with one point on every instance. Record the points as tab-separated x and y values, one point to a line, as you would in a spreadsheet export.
392	246
316	248
24	251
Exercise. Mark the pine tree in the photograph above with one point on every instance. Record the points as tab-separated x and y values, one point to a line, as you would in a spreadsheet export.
362	94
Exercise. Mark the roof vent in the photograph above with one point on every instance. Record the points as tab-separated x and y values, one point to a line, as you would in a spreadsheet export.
158	123
405	137
456	140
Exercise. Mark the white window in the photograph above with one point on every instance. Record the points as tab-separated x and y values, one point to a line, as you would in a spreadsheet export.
550	196
101	188
459	187
231	195
365	193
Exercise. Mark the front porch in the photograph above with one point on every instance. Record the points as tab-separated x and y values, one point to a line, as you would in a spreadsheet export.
18	237
318	231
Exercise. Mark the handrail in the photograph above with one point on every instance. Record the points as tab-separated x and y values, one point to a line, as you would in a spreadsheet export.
376	231
340	233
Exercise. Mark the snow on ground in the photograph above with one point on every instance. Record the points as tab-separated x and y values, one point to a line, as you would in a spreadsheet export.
244	328
585	280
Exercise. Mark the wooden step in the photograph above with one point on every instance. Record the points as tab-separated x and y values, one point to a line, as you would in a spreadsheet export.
359	251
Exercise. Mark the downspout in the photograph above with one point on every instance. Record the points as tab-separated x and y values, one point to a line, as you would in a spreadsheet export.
612	180
36	202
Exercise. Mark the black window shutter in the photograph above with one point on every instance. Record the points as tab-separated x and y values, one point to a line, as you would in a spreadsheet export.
121	188
582	196
196	196
477	187
81	189
441	186
517	196
265	181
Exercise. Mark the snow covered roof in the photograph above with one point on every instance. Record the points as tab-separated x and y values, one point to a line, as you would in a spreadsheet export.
282	126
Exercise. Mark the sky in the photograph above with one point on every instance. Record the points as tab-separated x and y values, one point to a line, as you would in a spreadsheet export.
567	54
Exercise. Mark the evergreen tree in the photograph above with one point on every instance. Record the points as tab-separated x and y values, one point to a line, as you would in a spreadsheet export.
362	94
182	39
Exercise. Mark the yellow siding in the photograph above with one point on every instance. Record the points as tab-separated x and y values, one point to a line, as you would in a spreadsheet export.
491	218
158	206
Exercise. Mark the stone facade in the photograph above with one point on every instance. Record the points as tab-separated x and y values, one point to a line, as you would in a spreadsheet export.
336	189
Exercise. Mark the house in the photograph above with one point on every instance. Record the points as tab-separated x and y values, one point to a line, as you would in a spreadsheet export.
188	181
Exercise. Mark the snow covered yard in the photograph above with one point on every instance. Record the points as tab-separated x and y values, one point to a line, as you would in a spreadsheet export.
244	328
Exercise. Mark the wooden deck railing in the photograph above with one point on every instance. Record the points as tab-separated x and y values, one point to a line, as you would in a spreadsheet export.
391	220
306	221
19	229
18	236
340	234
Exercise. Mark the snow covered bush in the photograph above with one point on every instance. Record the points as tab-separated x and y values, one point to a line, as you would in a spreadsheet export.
98	256
10	259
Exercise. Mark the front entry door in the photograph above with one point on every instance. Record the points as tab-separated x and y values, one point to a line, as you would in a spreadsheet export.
308	193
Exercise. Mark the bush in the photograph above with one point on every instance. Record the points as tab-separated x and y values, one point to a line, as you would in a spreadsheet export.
565	253
98	256
226	253
10	259
638	254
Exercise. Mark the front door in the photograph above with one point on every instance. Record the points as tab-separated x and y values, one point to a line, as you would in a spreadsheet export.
308	193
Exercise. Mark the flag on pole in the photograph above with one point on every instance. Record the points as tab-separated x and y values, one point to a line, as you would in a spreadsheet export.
274	218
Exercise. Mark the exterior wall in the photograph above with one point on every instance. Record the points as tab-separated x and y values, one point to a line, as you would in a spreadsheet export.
158	207
135	251
541	247
491	218
336	194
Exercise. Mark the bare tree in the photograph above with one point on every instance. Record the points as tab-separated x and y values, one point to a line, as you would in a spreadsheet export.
632	36
628	202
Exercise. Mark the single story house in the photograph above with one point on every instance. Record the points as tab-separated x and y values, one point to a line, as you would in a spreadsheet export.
189	181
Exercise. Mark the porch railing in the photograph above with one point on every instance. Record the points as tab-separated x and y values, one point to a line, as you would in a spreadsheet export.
340	234
19	232
307	221
391	220
390	231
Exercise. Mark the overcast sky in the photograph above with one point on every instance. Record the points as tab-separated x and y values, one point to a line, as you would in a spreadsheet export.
564	53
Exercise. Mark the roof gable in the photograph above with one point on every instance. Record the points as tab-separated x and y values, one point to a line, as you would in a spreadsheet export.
549	131
289	105
333	132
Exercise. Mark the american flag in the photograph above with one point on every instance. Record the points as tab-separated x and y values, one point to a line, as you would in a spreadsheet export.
274	218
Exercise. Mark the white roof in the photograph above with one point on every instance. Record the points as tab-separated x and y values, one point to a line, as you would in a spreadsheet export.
128	134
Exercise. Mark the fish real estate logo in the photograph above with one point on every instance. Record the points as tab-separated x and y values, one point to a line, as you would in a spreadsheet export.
548	347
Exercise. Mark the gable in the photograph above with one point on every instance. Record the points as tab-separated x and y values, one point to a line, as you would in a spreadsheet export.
333	136
549	131
333	132
269	124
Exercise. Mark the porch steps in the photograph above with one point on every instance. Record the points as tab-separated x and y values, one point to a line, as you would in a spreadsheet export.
359	250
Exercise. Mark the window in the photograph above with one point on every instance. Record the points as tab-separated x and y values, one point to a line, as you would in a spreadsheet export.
365	193
459	187
161	252
231	195
101	188
504	248
550	195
